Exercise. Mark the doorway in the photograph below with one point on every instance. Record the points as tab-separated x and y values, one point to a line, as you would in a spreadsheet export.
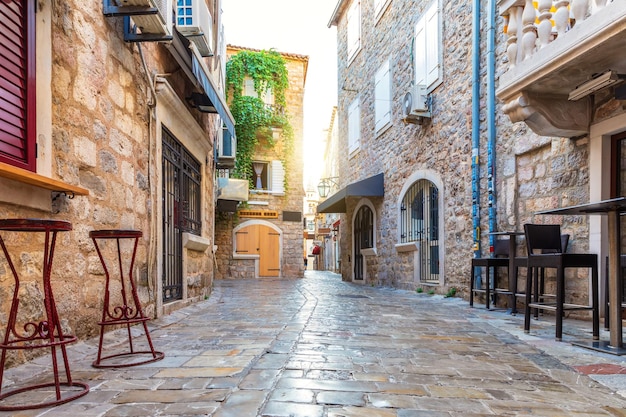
363	239
263	241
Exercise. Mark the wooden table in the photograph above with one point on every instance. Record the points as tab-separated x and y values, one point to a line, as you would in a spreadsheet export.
512	267
612	209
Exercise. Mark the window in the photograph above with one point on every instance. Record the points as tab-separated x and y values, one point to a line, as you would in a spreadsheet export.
382	97
354	125
354	28
250	91
379	6
428	66
17	84
182	179
269	176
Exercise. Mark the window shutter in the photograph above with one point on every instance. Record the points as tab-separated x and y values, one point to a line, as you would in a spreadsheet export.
248	87
17	84
354	125
432	44
382	94
419	51
354	28
278	177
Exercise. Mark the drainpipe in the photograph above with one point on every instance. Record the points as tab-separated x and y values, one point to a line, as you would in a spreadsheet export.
491	120
476	128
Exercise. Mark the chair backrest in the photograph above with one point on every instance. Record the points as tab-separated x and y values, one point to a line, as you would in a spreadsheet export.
564	243
543	238
501	248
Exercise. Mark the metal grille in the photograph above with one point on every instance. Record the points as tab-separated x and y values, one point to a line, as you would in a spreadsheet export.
363	238
181	210
419	222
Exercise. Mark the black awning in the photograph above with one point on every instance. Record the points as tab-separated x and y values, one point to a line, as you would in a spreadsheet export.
210	90
369	187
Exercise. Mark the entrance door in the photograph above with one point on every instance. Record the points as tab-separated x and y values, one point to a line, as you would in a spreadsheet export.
181	211
618	184
258	239
363	238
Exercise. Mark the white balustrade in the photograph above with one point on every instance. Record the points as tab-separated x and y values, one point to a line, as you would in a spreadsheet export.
532	25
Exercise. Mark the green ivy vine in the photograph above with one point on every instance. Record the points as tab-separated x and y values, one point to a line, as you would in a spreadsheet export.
255	121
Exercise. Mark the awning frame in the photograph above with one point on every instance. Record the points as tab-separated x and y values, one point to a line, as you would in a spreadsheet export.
373	186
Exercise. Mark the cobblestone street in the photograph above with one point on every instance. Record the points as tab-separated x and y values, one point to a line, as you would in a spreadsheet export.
321	347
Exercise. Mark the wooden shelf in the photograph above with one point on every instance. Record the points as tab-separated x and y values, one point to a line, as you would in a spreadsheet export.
27	177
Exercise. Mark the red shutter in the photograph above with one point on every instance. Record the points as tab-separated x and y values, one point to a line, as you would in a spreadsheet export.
17	83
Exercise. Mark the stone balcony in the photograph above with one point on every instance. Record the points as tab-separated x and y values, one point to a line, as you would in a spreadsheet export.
554	47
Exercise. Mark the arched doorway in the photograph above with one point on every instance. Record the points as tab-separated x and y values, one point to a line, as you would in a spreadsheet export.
419	222
262	241
363	238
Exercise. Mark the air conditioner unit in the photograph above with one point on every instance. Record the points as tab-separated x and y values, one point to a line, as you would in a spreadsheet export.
158	24
194	21
226	149
416	105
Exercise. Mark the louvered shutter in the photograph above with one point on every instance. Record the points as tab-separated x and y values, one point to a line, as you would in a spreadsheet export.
278	177
432	44
354	28
17	83
382	93
354	125
419	51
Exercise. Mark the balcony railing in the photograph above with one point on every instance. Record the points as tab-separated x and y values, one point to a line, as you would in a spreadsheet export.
552	47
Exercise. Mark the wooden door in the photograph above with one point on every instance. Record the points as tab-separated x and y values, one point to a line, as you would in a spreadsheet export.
269	260
264	241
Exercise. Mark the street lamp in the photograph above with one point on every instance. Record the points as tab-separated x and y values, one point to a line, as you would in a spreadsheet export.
325	186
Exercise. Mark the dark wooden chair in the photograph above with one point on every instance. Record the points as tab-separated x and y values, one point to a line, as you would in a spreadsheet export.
544	248
489	286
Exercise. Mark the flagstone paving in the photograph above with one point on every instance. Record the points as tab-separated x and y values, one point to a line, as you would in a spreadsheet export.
322	347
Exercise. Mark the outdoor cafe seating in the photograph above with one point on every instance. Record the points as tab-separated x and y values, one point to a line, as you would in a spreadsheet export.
545	251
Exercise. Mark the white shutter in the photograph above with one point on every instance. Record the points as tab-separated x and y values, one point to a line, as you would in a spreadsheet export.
419	52
432	44
354	125
248	87
382	96
354	28
278	177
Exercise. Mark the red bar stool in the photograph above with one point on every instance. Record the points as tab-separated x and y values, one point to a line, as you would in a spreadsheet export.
47	333
129	312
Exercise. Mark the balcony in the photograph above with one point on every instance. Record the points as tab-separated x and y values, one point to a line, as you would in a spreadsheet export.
554	47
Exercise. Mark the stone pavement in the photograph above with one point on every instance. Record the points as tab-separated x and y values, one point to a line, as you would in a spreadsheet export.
321	347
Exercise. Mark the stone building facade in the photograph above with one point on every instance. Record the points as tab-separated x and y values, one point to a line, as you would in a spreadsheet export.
442	193
273	213
112	123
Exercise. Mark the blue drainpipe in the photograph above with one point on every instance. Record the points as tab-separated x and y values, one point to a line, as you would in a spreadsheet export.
491	120
476	128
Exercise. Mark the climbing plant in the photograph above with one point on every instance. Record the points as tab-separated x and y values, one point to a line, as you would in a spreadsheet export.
255	120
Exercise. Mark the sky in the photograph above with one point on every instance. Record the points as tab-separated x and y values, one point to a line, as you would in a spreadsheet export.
299	27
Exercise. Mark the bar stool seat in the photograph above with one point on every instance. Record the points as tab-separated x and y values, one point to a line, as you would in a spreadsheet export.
128	312
47	333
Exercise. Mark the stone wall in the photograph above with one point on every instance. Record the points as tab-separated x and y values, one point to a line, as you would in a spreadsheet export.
291	266
531	172
103	137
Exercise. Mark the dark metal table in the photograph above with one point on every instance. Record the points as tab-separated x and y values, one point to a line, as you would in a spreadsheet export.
612	209
47	333
128	309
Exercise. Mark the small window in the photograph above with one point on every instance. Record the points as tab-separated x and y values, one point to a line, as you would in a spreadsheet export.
354	125
354	28
250	91
269	176
382	97
428	59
